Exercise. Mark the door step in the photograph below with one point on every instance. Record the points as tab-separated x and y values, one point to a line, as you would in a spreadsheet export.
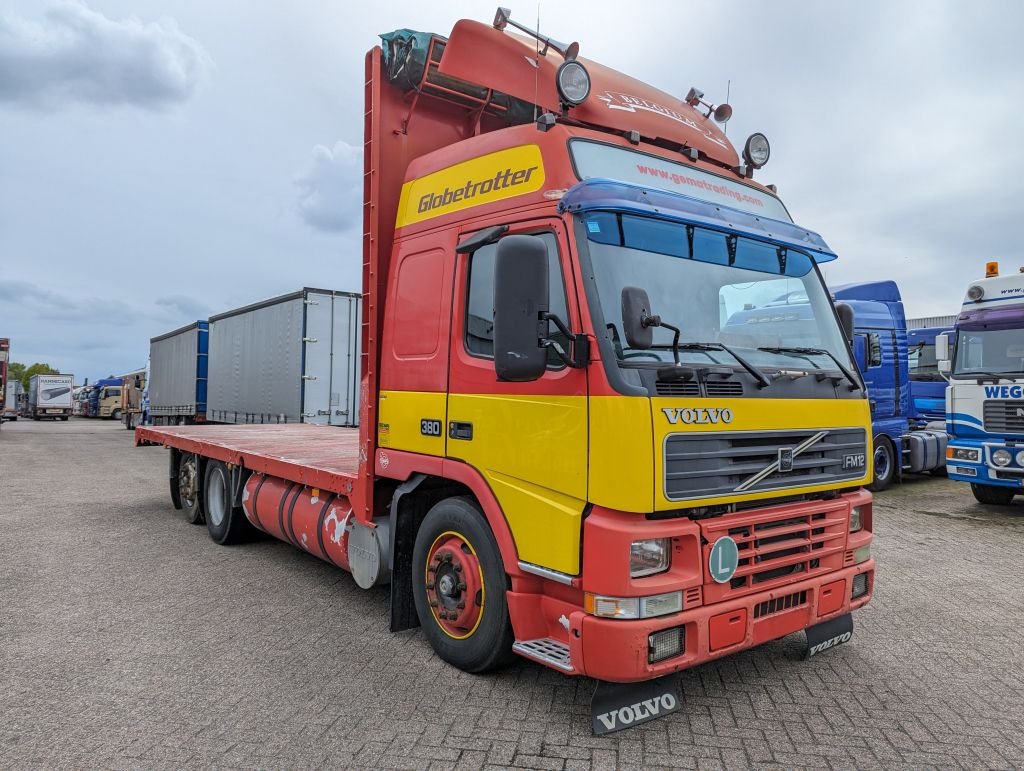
547	651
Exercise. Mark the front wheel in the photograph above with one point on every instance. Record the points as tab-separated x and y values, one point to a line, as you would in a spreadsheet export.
459	587
115	415
992	495
885	465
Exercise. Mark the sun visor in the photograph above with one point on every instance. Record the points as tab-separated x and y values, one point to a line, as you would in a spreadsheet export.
608	195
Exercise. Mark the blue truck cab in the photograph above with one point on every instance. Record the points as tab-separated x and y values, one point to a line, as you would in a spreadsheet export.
927	384
906	440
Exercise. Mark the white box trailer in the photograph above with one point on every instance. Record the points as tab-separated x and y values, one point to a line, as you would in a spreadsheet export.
290	359
49	396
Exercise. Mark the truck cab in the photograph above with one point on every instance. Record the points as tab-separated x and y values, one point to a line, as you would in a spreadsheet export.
984	357
927	384
107	399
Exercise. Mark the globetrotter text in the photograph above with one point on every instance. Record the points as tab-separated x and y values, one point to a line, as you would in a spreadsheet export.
472	188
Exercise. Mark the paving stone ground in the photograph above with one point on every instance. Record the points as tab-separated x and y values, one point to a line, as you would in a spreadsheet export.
128	639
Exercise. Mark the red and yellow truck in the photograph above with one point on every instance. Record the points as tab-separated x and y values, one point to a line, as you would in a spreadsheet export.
565	450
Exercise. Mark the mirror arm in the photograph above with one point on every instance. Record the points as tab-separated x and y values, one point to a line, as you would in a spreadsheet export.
580	357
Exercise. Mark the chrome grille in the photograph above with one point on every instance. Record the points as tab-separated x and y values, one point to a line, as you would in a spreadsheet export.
708	465
1004	417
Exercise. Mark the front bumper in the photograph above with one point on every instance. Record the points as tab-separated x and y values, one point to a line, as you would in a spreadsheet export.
617	651
984	472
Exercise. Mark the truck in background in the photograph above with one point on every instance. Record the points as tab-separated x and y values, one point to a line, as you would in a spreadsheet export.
105	399
178	366
927	384
12	400
133	386
903	440
5	355
49	396
290	359
984	358
561	452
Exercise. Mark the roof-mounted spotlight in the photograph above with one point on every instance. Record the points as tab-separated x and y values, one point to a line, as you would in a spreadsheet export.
569	51
757	150
976	293
573	82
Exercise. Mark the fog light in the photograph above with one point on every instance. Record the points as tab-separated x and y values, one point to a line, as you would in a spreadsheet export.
665	644
1020	458
863	554
1001	458
649	557
860	586
856	520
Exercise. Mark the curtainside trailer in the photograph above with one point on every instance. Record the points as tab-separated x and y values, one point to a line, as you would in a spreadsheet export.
290	359
178	369
563	450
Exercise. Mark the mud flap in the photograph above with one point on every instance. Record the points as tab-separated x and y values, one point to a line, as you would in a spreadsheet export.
827	635
615	706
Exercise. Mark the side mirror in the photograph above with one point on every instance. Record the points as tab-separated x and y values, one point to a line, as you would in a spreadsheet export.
846	320
636	308
943	354
521	296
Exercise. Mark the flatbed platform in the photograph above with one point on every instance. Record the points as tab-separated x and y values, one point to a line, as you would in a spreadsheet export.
319	456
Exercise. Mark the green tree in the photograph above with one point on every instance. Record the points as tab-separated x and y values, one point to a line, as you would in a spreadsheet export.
15	371
36	369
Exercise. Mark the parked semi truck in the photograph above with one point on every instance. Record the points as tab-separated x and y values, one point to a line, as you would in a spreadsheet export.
927	384
49	396
290	359
13	391
107	394
984	357
904	441
133	387
561	452
178	363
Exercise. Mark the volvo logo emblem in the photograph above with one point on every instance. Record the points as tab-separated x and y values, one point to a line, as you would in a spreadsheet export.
697	415
783	462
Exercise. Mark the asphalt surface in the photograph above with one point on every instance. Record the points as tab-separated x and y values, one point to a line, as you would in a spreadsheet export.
129	639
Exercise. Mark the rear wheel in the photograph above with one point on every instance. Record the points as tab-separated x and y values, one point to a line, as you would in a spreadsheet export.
226	522
189	488
992	495
885	465
459	586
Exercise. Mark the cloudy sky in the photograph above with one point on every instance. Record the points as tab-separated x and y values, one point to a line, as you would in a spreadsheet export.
162	161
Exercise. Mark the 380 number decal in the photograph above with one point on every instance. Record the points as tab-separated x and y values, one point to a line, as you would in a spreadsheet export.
430	427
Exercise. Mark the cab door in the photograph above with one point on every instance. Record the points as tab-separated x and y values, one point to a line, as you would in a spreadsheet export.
528	440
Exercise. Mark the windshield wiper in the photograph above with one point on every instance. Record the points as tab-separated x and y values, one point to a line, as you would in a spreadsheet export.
805	352
985	375
754	372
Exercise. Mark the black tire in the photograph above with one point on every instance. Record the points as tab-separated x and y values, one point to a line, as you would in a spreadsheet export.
884	464
489	643
939	472
63	417
992	495
115	415
189	490
227	523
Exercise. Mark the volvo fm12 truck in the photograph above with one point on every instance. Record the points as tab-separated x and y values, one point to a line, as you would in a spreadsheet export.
562	451
984	356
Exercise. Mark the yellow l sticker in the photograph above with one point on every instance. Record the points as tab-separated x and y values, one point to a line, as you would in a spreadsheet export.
489	178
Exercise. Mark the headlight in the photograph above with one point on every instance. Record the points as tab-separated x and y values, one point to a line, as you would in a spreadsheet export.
1001	458
633	607
856	519
573	82
757	150
649	557
1020	458
964	453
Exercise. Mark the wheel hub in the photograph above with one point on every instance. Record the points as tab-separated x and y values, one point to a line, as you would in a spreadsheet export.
454	584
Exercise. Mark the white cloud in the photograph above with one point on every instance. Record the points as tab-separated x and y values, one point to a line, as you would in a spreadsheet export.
77	55
330	189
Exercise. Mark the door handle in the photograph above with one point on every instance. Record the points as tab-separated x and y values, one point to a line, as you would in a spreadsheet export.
460	430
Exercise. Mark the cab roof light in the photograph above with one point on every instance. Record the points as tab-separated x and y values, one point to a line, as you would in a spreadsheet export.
757	151
992	269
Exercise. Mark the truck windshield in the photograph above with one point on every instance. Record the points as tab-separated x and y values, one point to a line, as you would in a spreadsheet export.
765	301
989	352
